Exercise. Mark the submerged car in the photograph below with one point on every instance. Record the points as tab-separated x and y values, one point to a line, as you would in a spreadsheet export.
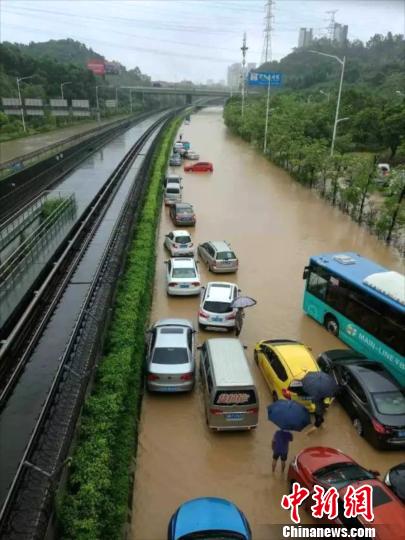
175	160
218	256
182	214
172	194
182	277
284	363
179	243
170	361
172	179
193	156
216	310
395	479
371	396
328	467
208	517
201	166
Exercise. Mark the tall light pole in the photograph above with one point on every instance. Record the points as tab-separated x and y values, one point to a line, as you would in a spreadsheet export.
243	49
116	97
97	103
266	127
130	99
19	79
61	87
342	63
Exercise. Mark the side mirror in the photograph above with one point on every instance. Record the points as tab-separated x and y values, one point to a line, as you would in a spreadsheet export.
165	262
305	274
239	290
374	473
199	347
245	347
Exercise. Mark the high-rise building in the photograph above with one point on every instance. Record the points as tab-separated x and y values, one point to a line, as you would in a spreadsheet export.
305	37
340	32
235	72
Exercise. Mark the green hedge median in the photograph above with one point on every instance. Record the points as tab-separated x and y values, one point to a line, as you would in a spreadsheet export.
95	503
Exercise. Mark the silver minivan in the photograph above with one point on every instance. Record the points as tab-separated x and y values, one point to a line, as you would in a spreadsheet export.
218	256
172	193
230	396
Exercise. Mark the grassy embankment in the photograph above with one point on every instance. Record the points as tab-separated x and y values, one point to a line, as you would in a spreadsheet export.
95	502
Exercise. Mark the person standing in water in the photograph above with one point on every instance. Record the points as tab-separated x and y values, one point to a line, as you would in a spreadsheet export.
280	444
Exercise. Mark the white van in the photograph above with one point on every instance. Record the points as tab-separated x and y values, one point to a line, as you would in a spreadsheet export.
172	193
230	396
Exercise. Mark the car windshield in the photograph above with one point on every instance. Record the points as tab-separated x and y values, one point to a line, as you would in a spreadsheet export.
168	355
217	307
183	273
184	210
182	239
389	402
225	256
342	474
172	190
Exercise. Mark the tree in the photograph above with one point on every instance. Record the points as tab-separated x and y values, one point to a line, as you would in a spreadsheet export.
393	130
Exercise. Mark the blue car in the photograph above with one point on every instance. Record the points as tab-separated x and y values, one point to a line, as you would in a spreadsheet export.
208	517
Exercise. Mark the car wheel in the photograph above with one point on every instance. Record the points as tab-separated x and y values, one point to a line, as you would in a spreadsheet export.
331	325
358	426
274	396
256	357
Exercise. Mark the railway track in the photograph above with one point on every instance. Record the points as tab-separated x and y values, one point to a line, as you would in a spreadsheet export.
48	336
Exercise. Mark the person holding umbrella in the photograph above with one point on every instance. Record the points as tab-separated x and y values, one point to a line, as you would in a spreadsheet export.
288	416
240	303
320	386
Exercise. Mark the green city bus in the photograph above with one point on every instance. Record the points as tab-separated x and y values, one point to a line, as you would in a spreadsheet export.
360	302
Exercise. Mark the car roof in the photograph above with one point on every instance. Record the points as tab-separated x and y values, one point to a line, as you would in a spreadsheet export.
183	262
208	514
179	232
342	354
296	357
220	245
172	175
171	336
171	321
220	291
171	185
374	377
229	362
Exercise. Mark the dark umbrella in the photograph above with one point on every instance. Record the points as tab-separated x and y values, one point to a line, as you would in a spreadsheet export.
287	414
242	302
319	385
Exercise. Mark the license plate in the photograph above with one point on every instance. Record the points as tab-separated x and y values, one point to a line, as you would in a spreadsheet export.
170	389
183	286
401	433
234	416
216	319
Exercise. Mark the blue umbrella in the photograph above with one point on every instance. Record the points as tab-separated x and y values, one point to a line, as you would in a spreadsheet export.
287	414
319	385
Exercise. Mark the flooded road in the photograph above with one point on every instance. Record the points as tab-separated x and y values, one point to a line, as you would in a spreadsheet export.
274	225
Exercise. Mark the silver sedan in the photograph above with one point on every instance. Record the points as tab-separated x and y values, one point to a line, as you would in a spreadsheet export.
170	361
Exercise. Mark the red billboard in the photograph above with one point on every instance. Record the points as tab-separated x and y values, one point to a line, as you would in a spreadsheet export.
97	66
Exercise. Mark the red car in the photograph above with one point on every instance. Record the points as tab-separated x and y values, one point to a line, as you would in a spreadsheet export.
328	467
200	166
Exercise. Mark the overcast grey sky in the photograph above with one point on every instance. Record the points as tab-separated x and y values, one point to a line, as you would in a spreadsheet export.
193	39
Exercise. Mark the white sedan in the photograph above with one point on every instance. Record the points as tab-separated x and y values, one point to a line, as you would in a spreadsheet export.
179	244
193	156
182	277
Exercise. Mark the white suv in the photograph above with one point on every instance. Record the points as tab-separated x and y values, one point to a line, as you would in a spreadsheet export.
215	306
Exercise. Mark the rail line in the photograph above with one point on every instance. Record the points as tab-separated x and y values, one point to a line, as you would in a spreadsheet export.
74	280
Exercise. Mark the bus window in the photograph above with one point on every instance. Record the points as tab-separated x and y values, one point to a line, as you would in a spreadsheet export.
337	295
317	285
392	334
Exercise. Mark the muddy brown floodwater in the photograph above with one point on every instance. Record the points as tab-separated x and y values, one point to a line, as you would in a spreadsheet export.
274	225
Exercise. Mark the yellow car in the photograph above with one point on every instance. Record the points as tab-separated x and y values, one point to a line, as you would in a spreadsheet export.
284	363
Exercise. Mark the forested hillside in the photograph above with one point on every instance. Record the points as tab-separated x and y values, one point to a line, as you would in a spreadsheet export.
378	65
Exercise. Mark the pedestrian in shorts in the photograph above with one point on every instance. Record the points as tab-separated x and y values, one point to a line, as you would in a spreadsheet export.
280	444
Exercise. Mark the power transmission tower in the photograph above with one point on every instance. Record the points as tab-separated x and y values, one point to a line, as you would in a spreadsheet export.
331	25
268	27
244	48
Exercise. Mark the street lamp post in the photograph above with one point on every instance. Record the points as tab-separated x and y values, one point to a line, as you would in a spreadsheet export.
19	79
130	99
97	103
61	87
266	127
342	63
116	97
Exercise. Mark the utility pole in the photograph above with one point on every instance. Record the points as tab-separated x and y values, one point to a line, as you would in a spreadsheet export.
244	48
267	49
331	25
61	88
19	79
